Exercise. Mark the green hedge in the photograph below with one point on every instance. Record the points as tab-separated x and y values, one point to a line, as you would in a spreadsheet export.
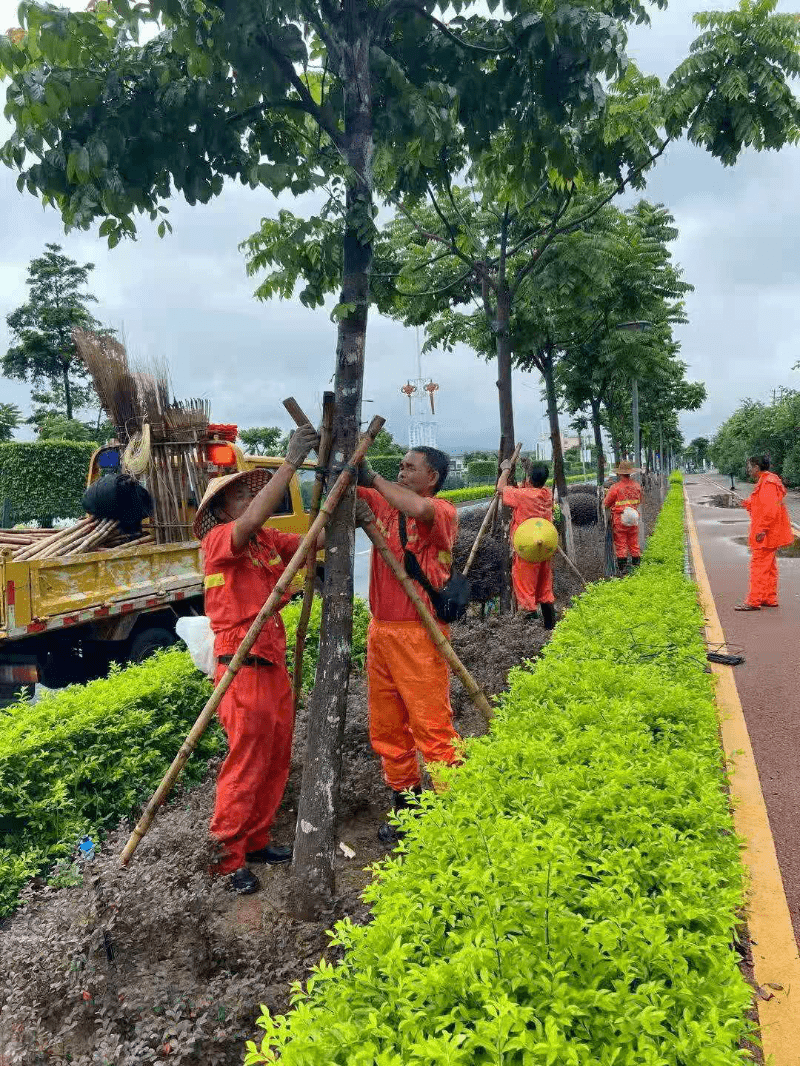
482	470
387	466
573	897
84	756
474	492
44	479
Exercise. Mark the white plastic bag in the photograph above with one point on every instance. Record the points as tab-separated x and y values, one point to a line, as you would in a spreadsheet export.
196	633
630	517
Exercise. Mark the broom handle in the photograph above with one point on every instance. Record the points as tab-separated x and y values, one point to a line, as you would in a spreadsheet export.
270	607
488	518
326	439
443	645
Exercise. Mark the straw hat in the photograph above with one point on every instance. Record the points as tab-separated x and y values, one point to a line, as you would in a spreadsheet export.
625	467
205	519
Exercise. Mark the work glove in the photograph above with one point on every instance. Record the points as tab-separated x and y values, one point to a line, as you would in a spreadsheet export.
364	515
506	464
366	475
302	441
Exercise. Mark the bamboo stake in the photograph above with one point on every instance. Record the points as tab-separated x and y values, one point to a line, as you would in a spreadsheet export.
326	440
68	542
273	603
54	543
570	564
95	539
489	518
443	645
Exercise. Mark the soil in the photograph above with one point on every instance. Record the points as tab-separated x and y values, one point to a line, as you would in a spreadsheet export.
160	963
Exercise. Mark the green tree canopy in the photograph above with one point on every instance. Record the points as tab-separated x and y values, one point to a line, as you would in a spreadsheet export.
10	418
264	440
42	351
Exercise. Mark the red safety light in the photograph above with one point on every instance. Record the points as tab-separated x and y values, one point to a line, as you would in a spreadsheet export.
221	454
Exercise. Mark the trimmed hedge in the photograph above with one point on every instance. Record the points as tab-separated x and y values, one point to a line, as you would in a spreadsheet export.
387	466
482	470
84	756
44	479
572	899
474	492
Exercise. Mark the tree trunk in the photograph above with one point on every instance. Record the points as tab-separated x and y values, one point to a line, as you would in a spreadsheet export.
315	839
507	438
546	366
598	443
67	392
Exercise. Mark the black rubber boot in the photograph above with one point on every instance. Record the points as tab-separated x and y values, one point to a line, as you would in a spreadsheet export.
271	854
401	801
635	560
243	882
548	615
622	567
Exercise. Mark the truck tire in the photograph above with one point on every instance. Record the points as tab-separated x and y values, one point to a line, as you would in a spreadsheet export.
148	641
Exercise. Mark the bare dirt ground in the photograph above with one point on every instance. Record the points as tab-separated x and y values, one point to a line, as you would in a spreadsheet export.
160	963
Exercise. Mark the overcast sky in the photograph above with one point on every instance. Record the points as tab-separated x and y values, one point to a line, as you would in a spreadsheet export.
188	298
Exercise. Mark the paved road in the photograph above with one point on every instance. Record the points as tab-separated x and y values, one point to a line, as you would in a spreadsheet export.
768	680
744	488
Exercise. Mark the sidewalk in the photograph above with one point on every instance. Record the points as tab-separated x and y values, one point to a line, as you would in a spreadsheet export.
744	488
768	680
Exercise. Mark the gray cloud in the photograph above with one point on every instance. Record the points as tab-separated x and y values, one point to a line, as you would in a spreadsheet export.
188	297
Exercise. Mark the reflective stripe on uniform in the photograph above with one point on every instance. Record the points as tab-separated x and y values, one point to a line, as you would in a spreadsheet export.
213	581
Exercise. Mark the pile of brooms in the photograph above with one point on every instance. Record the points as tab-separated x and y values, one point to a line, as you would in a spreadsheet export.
161	437
160	441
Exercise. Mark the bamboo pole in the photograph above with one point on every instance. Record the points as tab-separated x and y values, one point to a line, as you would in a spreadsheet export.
272	604
326	440
58	541
443	645
570	564
57	535
488	519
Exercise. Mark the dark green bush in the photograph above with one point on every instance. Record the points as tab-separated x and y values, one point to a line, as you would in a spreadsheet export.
387	466
44	479
482	470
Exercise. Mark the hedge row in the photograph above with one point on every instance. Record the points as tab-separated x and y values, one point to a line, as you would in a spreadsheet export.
82	757
572	898
44	479
474	492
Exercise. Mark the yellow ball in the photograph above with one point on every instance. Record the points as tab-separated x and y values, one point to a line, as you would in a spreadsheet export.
535	540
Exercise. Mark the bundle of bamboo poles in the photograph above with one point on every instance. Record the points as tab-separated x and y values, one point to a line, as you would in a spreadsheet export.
90	534
176	482
17	539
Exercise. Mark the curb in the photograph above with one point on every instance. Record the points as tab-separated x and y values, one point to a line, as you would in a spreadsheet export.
776	962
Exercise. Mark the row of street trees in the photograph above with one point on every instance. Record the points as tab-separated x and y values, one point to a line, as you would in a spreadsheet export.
758	428
536	108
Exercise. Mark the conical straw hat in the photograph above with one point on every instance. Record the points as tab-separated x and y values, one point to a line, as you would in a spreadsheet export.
205	519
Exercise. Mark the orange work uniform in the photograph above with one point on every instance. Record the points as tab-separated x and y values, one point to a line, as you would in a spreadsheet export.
408	680
626	493
768	515
257	711
533	582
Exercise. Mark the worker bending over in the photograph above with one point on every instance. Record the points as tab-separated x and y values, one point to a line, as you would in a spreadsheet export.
533	582
242	562
408	680
770	529
623	500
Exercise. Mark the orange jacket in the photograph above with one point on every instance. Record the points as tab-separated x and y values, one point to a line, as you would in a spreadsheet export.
768	513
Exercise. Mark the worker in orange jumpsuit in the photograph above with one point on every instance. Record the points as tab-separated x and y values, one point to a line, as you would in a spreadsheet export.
533	582
770	529
626	493
408	680
242	562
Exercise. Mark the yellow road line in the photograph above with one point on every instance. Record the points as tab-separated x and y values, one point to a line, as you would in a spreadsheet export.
776	961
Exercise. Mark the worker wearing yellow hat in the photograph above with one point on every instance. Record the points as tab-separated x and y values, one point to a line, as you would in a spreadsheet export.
623	501
533	582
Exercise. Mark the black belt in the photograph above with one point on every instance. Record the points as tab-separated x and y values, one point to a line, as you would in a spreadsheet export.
251	660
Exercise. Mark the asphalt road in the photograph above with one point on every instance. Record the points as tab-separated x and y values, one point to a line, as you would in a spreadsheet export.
768	680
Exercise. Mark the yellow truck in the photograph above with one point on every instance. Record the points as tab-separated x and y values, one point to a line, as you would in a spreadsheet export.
64	620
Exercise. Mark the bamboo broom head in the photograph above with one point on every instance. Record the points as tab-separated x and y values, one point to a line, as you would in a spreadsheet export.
107	362
187	420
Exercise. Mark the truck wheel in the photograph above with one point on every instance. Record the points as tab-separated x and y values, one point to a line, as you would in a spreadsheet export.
148	642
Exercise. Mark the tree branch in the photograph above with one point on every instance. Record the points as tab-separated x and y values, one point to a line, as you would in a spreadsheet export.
396	7
436	292
321	115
